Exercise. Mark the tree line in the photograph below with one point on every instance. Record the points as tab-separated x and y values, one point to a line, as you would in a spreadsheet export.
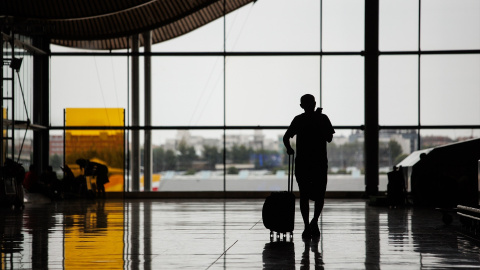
184	157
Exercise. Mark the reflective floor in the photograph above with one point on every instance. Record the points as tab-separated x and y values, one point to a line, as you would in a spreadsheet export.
225	234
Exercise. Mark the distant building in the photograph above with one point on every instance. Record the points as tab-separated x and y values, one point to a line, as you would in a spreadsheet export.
432	141
196	141
102	142
256	141
56	145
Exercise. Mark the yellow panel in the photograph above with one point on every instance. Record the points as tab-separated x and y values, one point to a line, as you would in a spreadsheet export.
93	117
101	146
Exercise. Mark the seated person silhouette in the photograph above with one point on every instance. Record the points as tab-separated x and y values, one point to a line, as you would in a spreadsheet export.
313	130
30	182
98	170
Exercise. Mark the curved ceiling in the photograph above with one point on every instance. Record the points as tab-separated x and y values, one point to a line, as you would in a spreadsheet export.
107	24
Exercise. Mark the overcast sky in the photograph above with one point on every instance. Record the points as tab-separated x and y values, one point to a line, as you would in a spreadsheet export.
266	90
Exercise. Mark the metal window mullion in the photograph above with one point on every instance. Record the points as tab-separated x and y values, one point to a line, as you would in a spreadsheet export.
224	98
321	51
418	76
13	101
1	100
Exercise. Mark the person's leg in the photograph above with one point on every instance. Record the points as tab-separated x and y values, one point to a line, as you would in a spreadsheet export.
318	209
305	209
101	190
304	206
319	203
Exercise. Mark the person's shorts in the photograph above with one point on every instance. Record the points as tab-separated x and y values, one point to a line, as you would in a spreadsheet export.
312	181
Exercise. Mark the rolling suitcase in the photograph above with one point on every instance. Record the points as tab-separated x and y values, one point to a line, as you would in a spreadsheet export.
278	211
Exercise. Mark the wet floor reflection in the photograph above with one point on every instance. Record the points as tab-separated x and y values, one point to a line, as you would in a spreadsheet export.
38	234
224	234
279	255
311	254
372	238
11	237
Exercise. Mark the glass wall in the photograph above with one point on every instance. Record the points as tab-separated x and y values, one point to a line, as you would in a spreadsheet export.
187	160
450	25
342	98
274	26
428	71
266	91
256	160
450	89
237	88
187	91
87	82
398	90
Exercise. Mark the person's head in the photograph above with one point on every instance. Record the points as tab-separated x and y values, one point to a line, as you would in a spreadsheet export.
81	162
307	102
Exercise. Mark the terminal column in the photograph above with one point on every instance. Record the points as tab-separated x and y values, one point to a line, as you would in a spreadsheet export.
41	99
147	160
371	96
135	115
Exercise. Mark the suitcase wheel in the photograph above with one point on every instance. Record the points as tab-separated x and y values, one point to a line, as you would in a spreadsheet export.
272	236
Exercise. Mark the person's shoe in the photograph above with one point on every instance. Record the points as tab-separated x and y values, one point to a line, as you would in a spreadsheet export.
315	231
306	234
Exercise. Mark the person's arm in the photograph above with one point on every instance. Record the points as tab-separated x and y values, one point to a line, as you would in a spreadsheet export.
286	138
329	131
286	142
330	138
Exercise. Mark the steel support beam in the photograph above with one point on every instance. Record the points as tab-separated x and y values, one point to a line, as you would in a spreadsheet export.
371	97
147	147
135	115
41	99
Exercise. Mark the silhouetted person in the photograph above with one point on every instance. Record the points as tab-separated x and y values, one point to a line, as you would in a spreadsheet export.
102	178
30	182
49	181
98	170
313	130
68	179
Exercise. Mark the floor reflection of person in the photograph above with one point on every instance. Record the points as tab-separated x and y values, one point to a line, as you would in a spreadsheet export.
38	222
313	130
311	245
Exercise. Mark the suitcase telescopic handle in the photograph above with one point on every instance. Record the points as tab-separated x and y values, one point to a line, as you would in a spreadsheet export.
291	159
